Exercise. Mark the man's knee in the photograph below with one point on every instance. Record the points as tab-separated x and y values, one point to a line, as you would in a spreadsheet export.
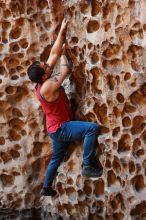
95	127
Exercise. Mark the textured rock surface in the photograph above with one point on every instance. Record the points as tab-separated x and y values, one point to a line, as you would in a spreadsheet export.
106	41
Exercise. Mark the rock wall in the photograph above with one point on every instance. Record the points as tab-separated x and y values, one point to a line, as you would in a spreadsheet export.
106	41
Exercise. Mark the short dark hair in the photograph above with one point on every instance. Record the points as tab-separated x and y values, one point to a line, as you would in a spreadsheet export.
35	72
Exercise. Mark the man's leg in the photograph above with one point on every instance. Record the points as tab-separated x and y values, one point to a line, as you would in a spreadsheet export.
59	151
74	130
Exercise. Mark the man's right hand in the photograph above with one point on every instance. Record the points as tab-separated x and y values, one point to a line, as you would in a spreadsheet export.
64	24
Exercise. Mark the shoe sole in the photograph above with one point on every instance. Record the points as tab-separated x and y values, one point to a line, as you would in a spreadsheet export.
84	175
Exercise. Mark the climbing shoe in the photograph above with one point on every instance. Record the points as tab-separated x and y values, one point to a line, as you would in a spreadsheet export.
89	171
48	191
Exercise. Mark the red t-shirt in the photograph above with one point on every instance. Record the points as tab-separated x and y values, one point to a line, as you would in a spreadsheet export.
57	111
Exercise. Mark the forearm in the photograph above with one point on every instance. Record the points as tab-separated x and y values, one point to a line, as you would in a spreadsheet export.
64	64
57	47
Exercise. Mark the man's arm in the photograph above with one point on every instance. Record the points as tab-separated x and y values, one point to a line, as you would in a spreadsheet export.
57	48
57	81
64	70
53	84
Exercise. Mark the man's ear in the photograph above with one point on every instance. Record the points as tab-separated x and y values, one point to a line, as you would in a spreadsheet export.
44	76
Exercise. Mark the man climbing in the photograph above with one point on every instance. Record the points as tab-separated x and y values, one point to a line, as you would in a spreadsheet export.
59	122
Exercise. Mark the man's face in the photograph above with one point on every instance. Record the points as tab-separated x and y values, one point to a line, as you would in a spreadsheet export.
47	69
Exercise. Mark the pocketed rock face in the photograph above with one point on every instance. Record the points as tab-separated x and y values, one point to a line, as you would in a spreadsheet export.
106	41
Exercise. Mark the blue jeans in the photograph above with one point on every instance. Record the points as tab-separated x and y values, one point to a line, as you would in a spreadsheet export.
71	131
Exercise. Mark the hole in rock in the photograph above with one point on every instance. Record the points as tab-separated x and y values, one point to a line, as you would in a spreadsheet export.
143	136
102	113
114	204
116	165
116	111
23	43
138	209
104	130
140	153
19	68
30	179
124	143
15	48
15	33
108	8
6	25
1	94
87	187
3	105
7	13
111	82
127	76
108	164
16	112
94	58
10	196
2	70
84	8
129	108
99	187
144	27
10	89
15	173
37	149
17	203
112	49
131	167
136	145
15	122
70	181
30	10
107	27
143	89
22	74
138	120
2	140
133	84
120	98
137	130
80	193
20	55
42	4
17	147
116	131
92	26
70	190
111	177
118	20
13	135
15	154
74	40
126	121
90	45
59	187
96	7
5	157
90	117
138	182
118	216
7	180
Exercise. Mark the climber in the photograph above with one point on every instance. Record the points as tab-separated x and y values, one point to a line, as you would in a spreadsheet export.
61	127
